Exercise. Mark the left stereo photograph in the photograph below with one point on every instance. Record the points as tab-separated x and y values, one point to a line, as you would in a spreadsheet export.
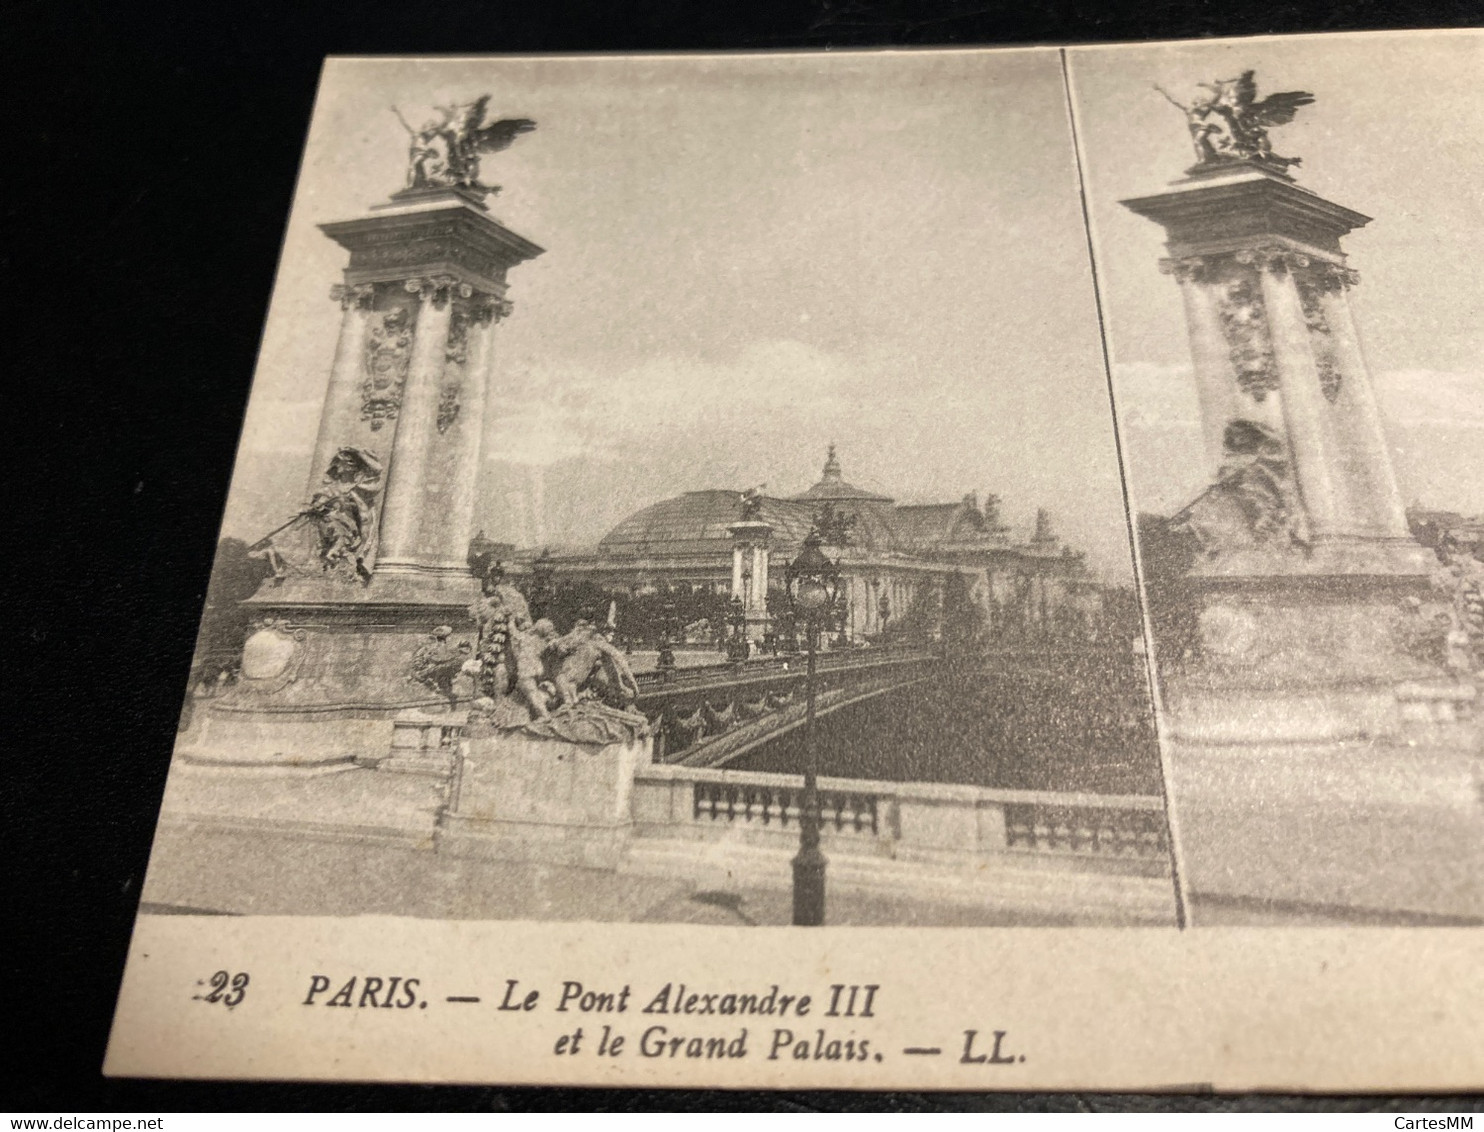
678	490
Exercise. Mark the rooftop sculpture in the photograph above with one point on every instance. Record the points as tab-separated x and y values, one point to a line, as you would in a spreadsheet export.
1230	123
751	504
445	152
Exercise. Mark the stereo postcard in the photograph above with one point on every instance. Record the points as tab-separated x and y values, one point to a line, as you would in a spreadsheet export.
872	570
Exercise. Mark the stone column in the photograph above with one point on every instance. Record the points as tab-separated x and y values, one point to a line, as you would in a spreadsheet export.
489	442
337	418
475	404
1215	376
737	549
1385	509
1305	410
758	597
401	516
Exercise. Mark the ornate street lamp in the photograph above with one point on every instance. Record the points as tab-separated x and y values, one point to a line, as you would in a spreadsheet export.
665	662
788	632
737	616
812	582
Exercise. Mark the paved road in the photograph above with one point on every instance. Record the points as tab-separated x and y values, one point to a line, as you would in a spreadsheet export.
218	871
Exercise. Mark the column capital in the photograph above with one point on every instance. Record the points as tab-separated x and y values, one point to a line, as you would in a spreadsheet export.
486	309
1329	276
1190	268
1274	258
437	289
359	295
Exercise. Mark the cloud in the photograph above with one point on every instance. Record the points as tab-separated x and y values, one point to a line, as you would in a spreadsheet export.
553	412
1155	396
1416	397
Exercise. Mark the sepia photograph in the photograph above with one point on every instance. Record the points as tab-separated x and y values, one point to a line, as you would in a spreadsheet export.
678	490
1285	240
1015	513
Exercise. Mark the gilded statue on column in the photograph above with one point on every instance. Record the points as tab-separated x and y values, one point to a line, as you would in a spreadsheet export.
445	151
1230	123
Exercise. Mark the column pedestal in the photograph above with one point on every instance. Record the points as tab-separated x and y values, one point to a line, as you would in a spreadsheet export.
519	797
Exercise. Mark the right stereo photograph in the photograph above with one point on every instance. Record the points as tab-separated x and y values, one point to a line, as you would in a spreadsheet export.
1286	238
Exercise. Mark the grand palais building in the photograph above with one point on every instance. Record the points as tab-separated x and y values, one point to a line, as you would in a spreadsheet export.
708	541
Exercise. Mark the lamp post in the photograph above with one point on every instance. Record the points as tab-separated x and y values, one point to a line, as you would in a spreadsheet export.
812	582
665	661
883	614
789	633
737	616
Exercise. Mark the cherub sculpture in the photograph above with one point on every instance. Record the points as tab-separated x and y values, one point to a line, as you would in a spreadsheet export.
500	612
445	151
528	648
1230	123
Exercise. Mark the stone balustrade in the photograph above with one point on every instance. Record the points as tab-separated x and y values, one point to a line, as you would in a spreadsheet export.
778	666
930	822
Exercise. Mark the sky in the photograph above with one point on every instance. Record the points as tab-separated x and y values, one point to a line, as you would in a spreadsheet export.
748	258
751	256
1394	133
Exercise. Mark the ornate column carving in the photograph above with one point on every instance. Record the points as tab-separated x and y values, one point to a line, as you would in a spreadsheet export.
337	419
1305	407
438	289
418	425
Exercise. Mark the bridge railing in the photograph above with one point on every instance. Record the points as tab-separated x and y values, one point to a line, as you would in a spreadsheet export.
763	667
691	707
906	820
775	804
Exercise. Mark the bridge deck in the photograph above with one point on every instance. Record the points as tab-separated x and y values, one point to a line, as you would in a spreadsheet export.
710	715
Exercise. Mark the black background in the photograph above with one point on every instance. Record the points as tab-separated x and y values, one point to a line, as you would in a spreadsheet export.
150	162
